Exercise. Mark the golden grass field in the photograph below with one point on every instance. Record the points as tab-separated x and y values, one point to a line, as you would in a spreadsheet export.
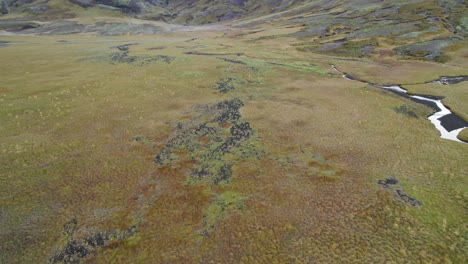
79	134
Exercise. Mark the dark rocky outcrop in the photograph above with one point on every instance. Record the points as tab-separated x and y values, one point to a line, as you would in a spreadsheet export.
135	6
17	24
123	56
4	9
84	3
427	50
79	247
207	139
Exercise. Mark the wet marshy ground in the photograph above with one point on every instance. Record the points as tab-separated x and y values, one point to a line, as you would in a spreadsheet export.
217	157
448	123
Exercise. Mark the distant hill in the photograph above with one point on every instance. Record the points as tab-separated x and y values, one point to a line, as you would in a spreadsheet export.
420	29
179	11
451	13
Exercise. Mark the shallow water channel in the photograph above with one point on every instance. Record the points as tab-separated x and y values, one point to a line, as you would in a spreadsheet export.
448	123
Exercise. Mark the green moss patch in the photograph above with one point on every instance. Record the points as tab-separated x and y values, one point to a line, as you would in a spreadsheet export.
228	84
221	207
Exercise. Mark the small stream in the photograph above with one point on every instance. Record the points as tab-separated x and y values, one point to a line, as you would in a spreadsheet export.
448	123
451	80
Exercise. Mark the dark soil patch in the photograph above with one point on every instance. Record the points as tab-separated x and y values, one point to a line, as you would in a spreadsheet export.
393	186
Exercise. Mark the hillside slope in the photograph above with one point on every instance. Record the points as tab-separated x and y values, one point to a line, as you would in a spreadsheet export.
413	29
207	11
179	11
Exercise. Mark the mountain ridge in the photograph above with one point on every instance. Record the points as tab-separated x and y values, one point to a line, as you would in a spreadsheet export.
179	11
413	29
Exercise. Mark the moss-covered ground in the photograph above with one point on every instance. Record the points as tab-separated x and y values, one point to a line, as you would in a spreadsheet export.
83	122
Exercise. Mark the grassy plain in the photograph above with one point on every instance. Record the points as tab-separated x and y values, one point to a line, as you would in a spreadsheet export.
80	131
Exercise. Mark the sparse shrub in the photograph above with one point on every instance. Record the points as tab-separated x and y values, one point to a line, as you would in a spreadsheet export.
221	206
329	175
405	110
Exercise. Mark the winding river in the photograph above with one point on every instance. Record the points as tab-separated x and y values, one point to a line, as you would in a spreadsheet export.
448	123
